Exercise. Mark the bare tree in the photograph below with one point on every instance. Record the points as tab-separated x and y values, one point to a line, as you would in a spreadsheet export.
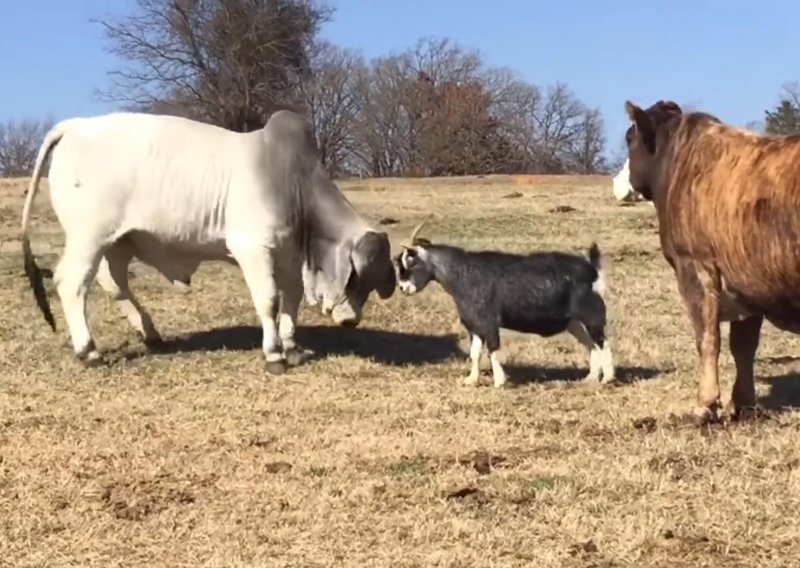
331	102
228	62
19	145
585	153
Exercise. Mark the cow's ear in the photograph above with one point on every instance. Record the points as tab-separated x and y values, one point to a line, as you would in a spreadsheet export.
643	124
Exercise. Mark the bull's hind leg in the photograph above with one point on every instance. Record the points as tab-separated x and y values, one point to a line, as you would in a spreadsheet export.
112	275
258	267
708	391
743	342
74	273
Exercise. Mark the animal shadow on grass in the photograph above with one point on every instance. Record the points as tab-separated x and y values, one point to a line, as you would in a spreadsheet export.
784	393
526	374
385	347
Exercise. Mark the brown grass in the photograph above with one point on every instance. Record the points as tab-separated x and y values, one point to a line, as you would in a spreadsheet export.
374	455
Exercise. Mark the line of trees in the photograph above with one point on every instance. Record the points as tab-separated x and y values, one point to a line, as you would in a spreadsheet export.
435	109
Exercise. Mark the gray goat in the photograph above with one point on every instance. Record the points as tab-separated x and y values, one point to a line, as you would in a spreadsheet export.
542	293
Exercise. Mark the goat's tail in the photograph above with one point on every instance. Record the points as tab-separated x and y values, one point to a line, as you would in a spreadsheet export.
32	270
597	261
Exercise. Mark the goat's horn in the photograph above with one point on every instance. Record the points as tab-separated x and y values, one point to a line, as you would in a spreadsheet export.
418	228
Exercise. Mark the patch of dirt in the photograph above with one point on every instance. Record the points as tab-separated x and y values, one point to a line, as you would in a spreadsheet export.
646	425
139	499
468	496
562	209
278	467
483	462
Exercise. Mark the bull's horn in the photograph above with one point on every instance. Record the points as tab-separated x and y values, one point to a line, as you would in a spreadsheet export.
418	228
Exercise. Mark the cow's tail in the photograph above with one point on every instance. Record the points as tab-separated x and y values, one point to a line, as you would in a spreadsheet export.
597	261
32	270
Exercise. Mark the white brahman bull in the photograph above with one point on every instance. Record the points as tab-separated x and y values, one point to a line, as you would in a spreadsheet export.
174	192
622	188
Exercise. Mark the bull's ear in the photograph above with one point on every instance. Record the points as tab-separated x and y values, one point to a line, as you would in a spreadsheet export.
644	125
372	257
343	266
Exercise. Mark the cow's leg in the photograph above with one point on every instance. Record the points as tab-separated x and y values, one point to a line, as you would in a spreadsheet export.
74	273
708	393
258	267
744	338
112	276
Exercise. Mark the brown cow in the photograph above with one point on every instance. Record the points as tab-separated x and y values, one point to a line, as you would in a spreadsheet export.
728	206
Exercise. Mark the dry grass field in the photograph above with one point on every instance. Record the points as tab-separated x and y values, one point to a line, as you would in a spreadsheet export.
374	454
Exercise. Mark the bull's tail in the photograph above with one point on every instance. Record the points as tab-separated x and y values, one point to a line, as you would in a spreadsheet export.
597	261
32	270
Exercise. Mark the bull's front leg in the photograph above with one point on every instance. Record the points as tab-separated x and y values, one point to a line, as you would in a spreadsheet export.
291	295
708	393
744	338
258	267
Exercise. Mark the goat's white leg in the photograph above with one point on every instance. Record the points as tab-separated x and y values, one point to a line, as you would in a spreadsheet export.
498	373
607	362
475	357
579	332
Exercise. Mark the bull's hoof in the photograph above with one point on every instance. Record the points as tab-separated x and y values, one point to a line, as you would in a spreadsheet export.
705	416
154	344
297	356
277	367
748	413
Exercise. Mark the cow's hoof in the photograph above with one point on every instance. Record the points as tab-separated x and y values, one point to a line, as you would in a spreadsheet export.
297	356
277	367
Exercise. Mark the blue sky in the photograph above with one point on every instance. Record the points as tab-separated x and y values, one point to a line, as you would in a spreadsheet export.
727	57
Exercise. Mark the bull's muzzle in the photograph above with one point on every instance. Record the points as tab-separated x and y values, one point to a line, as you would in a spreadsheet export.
344	314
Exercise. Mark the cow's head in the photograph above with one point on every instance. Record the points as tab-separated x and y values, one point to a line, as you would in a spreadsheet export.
648	139
413	264
346	272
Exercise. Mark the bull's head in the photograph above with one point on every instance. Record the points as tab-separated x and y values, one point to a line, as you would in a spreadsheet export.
346	272
648	139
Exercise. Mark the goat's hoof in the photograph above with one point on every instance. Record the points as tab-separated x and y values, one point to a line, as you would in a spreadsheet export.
277	367
500	384
297	356
89	357
471	381
590	379
91	360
